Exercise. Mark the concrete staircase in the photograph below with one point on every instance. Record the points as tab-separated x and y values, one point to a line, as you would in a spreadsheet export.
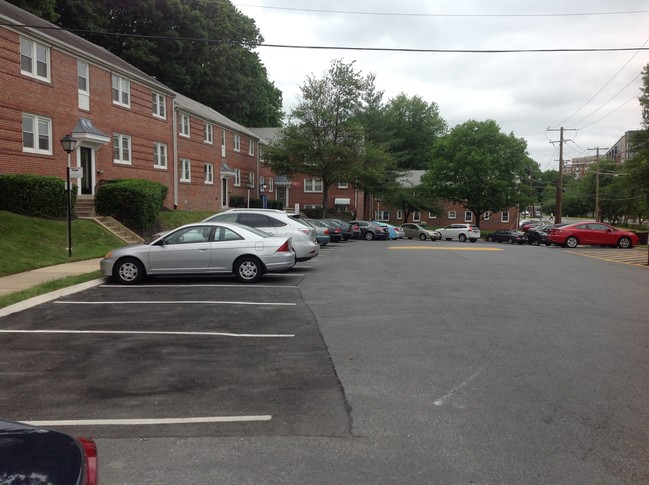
117	228
85	206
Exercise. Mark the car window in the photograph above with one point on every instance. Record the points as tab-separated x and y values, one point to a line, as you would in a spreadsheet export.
226	234
582	226
598	227
187	235
255	220
277	223
231	217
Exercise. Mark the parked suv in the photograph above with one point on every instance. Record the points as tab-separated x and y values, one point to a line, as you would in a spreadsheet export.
461	232
276	223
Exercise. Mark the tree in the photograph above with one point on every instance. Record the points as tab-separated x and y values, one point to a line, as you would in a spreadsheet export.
409	197
638	166
325	138
480	168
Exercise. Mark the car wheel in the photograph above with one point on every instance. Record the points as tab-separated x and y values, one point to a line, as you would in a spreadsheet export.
129	271
510	241
548	244
422	237
409	237
624	243
449	238
473	240
490	239
535	242
572	242
461	238
369	236
248	269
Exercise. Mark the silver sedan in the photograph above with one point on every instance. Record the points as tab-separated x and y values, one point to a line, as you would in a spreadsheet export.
202	248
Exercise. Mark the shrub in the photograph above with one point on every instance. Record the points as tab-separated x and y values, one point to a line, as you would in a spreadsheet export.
133	202
237	201
35	195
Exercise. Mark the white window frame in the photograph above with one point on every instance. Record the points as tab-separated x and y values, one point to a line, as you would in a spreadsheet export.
160	155
432	216
452	215
39	124
262	183
343	185
237	142
185	170
487	215
270	184
504	216
416	216
237	177
251	179
208	132
251	147
121	87
123	143
159	105
312	186
83	77
383	216
223	143
399	215
209	174
33	52
468	216
184	127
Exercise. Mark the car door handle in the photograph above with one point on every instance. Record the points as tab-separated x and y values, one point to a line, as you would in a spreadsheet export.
202	250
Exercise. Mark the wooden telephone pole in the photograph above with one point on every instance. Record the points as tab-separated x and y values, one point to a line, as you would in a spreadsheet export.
559	200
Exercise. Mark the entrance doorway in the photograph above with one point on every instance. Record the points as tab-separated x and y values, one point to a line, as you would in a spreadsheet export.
87	179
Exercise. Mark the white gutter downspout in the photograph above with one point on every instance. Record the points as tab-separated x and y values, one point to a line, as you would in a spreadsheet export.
175	161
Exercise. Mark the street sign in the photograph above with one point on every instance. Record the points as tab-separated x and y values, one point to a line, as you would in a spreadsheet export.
76	172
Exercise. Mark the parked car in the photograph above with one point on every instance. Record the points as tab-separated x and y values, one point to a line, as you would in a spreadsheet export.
34	455
592	233
509	236
418	231
394	232
321	231
335	230
202	248
527	225
370	231
355	230
539	234
345	228
461	232
276	223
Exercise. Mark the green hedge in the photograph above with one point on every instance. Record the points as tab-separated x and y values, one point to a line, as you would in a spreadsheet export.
133	202
35	195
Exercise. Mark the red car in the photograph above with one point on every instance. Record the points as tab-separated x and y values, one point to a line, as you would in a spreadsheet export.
592	233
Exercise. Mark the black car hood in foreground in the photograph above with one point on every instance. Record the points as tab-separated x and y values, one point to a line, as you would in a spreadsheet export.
30	455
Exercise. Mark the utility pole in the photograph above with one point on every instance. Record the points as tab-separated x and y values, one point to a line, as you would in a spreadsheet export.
559	200
597	216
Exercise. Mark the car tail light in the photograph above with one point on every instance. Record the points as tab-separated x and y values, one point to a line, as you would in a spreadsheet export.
326	231
306	231
90	452
284	248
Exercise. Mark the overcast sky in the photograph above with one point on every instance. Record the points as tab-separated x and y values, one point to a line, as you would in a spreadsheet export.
594	93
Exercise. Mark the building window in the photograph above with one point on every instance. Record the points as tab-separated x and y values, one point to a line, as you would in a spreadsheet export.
183	125
251	148
237	177
504	216
452	214
251	179
34	59
312	185
159	155
121	148
209	173
432	216
399	215
262	184
237	142
487	215
37	134
468	216
159	104
383	215
416	216
343	185
270	184
209	133
185	170
223	143
121	91
83	85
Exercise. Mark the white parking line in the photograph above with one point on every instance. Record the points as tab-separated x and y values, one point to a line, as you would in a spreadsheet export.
134	332
173	302
199	285
140	422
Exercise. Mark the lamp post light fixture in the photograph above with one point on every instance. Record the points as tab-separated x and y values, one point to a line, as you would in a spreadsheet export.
69	144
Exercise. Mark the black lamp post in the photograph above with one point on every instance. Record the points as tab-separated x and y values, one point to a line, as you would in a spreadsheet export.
68	143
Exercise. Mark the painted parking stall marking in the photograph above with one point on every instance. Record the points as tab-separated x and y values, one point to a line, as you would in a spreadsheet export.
172	302
633	257
134	332
149	421
444	248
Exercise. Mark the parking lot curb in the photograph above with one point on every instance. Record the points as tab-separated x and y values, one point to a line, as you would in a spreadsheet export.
38	300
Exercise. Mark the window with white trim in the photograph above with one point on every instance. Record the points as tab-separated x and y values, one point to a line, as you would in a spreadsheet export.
504	216
487	215
183	125
121	91
83	85
237	142
185	170
468	216
34	59
121	148
343	185
416	216
312	185
237	177
251	147
432	216
399	215
209	133
223	143
159	105
251	179
209	173
262	184
270	184
383	216
160	155
452	214
37	134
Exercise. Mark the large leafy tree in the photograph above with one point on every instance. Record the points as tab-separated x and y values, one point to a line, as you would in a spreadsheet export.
638	166
481	168
203	50
325	137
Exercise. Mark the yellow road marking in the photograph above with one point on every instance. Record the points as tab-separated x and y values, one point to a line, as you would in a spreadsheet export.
611	259
451	248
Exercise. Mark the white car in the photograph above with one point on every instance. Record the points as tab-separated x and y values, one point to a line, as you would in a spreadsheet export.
276	223
461	232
